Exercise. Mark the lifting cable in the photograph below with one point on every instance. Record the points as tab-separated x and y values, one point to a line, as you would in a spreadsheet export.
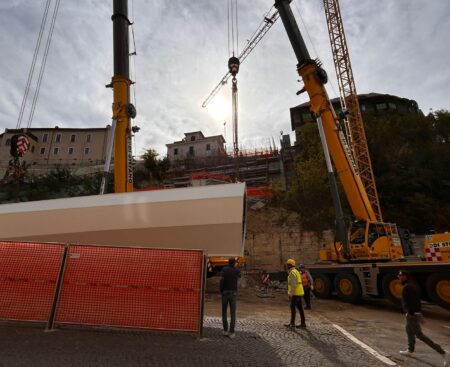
33	64
44	61
233	29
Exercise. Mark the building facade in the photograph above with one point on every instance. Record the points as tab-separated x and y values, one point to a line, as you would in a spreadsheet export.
196	145
371	104
59	146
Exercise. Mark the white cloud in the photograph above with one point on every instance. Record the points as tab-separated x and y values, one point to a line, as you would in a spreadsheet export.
397	47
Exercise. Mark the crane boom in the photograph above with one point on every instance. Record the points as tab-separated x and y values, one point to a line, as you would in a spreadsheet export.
269	21
349	99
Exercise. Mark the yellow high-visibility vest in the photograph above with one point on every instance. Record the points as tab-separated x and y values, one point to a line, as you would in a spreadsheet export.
295	287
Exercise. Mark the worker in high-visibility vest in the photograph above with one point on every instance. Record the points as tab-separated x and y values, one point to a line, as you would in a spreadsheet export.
308	285
295	293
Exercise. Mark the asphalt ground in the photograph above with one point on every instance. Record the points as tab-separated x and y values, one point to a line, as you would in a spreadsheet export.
257	343
261	339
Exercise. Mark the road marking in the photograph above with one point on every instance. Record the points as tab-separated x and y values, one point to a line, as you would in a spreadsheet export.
365	346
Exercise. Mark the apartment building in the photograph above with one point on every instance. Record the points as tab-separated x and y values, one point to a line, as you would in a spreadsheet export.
196	145
59	146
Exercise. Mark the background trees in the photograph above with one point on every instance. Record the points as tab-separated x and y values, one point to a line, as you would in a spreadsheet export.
411	160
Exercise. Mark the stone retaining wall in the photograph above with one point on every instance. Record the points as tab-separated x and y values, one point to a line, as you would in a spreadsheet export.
275	235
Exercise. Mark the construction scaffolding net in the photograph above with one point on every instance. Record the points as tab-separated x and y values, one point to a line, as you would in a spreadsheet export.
103	286
28	277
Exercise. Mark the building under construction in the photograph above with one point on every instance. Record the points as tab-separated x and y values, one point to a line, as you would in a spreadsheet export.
197	157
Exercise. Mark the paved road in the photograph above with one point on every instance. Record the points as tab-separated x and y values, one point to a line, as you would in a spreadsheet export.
257	343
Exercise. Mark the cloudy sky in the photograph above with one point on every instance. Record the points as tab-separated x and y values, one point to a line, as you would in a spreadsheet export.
398	47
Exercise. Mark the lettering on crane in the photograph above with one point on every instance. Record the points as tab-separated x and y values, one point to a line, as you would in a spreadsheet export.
129	160
439	244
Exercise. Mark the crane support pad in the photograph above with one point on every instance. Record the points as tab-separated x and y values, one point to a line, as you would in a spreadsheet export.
107	286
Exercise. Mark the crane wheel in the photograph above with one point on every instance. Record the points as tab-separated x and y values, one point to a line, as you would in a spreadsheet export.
322	286
438	288
392	289
347	287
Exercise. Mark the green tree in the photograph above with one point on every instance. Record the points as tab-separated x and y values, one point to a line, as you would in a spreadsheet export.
410	156
309	193
157	167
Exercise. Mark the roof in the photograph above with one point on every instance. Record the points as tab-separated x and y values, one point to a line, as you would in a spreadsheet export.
361	97
213	137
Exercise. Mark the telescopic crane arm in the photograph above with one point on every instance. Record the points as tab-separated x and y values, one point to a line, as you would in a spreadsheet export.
314	79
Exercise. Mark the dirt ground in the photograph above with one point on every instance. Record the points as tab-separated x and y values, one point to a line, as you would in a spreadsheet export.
375	322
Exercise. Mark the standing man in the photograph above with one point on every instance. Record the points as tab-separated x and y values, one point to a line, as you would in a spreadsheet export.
295	293
411	305
228	289
307	282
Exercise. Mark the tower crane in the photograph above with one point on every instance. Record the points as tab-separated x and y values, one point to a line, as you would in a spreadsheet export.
233	69
349	100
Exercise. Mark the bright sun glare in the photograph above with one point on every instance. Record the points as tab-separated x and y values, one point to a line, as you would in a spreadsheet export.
219	109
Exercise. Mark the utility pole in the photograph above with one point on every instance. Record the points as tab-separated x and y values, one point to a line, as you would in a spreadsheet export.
122	109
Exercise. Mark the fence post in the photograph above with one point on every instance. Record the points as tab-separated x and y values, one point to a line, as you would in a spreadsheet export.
202	290
62	269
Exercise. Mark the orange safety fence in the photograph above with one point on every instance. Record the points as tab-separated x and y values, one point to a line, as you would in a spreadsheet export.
28	277
100	285
132	287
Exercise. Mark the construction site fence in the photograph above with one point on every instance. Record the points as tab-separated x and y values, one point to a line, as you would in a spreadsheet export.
125	287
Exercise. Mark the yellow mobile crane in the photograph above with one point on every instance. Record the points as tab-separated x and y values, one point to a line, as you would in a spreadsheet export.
366	259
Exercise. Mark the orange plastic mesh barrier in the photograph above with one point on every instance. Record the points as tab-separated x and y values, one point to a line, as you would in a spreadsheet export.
28	276
132	287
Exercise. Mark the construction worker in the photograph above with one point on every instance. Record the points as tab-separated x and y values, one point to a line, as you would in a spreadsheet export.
411	306
228	289
307	282
295	293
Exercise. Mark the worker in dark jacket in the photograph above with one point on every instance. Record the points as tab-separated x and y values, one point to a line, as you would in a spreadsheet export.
228	289
411	306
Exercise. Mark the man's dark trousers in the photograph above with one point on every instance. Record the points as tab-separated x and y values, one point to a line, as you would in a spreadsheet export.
414	330
296	302
229	298
307	296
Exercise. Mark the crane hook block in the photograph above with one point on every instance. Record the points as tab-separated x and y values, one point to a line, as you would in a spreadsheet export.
233	65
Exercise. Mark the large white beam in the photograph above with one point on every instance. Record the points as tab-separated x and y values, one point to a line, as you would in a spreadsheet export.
207	217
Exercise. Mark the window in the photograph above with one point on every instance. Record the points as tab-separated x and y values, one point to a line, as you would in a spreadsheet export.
86	151
208	146
55	151
70	150
8	142
191	150
72	138
307	117
58	138
32	149
363	107
88	138
42	151
392	106
192	138
44	138
175	151
381	106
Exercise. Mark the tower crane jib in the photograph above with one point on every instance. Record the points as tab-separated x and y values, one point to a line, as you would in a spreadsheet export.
268	22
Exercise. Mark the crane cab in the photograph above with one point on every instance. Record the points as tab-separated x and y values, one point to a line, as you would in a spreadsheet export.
368	241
